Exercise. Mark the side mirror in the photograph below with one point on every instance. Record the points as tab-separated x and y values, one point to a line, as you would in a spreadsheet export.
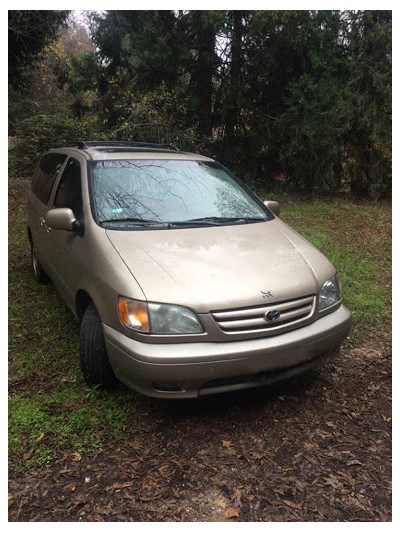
273	206
60	218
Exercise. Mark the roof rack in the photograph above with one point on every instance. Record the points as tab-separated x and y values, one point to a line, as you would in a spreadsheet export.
134	144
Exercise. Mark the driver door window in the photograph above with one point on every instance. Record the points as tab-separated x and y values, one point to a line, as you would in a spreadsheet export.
69	192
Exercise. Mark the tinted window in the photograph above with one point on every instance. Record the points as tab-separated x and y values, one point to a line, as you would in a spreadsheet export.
168	190
45	175
69	192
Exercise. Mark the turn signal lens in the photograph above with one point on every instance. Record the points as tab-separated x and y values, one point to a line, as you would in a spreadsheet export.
133	314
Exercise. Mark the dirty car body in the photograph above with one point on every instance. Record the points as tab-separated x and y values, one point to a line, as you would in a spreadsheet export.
185	282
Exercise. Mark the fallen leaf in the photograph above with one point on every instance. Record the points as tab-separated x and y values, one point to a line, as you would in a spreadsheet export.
227	443
10	497
40	437
231	513
292	504
81	499
28	455
333	482
77	456
220	502
151	485
128	496
309	445
354	462
68	379
119	486
65	471
300	485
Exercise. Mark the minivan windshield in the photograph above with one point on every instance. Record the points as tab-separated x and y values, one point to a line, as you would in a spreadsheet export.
169	193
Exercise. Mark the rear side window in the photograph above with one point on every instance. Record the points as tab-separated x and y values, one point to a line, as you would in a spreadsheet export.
45	175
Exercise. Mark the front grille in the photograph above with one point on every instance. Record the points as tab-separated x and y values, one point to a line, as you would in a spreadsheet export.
269	318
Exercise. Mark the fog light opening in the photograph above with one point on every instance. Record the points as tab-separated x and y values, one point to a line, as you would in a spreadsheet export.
169	386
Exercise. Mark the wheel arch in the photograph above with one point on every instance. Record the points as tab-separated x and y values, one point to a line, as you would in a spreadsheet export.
82	301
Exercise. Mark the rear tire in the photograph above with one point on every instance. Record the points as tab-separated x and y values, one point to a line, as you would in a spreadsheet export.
95	365
37	271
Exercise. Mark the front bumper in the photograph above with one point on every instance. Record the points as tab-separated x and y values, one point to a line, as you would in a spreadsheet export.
188	370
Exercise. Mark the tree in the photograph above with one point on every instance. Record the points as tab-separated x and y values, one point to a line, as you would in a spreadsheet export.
234	83
29	32
143	51
299	95
200	30
56	84
138	52
368	93
44	113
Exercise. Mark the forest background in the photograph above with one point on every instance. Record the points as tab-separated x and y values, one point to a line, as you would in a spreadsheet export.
292	101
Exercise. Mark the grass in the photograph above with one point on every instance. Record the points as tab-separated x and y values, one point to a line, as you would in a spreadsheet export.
356	238
51	410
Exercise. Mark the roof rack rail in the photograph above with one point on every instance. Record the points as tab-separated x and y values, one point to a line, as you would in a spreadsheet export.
134	144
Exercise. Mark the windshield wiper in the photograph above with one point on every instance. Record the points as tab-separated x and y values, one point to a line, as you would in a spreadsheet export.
227	220
135	221
194	222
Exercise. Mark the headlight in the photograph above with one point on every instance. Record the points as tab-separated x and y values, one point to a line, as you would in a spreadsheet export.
329	294
160	319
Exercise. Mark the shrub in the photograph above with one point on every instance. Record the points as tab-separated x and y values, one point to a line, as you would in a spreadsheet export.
37	134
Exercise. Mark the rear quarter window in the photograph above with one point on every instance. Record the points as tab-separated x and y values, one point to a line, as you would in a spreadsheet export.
45	175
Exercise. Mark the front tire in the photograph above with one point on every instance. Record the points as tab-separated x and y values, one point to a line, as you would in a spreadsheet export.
95	365
37	271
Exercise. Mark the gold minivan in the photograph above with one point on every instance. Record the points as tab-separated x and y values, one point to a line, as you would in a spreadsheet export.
185	283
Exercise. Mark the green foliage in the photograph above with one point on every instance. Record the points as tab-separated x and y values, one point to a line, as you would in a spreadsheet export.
29	32
70	418
39	133
321	86
311	128
294	100
159	116
368	93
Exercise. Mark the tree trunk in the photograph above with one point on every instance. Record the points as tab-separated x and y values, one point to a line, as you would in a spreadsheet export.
205	75
234	87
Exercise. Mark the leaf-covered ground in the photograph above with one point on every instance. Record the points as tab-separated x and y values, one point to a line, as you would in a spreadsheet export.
315	448
312	449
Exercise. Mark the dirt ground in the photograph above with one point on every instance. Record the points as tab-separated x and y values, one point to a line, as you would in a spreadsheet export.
315	448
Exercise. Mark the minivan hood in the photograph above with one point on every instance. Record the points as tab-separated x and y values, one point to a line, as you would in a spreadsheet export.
210	268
